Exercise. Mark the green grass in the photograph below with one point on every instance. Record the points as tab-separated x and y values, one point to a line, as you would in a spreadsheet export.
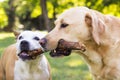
5	40
64	68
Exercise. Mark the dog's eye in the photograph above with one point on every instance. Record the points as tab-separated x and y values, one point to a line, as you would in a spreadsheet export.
36	38
20	37
64	25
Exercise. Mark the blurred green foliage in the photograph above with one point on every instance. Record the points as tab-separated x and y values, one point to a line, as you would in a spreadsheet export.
24	6
29	10
3	18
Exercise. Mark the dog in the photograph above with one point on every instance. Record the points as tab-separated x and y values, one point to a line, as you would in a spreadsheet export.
18	64
98	32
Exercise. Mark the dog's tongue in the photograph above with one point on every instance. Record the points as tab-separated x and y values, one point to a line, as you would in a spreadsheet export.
24	56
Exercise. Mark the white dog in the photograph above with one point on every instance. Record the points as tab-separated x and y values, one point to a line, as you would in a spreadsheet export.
30	67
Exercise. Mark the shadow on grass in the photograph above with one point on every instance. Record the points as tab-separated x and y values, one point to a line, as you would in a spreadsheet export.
69	68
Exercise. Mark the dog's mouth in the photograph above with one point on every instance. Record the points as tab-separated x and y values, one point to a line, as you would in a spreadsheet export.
30	55
64	48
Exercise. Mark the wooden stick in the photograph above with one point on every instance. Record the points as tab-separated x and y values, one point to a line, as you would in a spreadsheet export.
71	45
36	51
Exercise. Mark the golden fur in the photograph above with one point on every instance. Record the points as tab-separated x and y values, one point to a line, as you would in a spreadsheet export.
8	62
99	33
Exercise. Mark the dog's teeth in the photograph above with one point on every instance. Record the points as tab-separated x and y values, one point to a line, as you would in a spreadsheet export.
54	51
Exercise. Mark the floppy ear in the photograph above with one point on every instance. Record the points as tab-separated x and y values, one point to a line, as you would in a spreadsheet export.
16	33
98	26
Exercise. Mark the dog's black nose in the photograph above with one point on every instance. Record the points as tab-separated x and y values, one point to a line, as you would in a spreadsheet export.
43	42
24	45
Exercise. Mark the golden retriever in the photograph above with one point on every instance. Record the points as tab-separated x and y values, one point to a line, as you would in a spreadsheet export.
99	33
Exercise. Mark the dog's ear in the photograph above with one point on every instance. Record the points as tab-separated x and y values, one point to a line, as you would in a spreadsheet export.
16	33
97	25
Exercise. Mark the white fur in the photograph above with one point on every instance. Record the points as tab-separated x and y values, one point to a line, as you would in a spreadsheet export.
36	69
28	36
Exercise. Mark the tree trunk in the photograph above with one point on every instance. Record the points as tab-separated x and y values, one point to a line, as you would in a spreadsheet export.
11	16
45	14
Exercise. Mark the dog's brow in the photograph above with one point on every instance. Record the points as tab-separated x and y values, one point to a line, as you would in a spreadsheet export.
55	22
58	20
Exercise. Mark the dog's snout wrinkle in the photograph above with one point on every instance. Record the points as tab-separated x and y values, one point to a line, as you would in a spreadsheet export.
43	42
24	45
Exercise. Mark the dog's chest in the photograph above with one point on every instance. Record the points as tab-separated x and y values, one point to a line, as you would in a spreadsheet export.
37	70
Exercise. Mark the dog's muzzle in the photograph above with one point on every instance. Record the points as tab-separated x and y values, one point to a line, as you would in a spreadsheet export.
30	55
26	53
24	45
43	42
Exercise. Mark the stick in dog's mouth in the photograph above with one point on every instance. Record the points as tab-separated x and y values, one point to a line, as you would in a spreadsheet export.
65	48
30	55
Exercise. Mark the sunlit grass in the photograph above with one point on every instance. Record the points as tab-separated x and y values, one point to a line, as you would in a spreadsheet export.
69	68
64	68
74	63
5	35
1	0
